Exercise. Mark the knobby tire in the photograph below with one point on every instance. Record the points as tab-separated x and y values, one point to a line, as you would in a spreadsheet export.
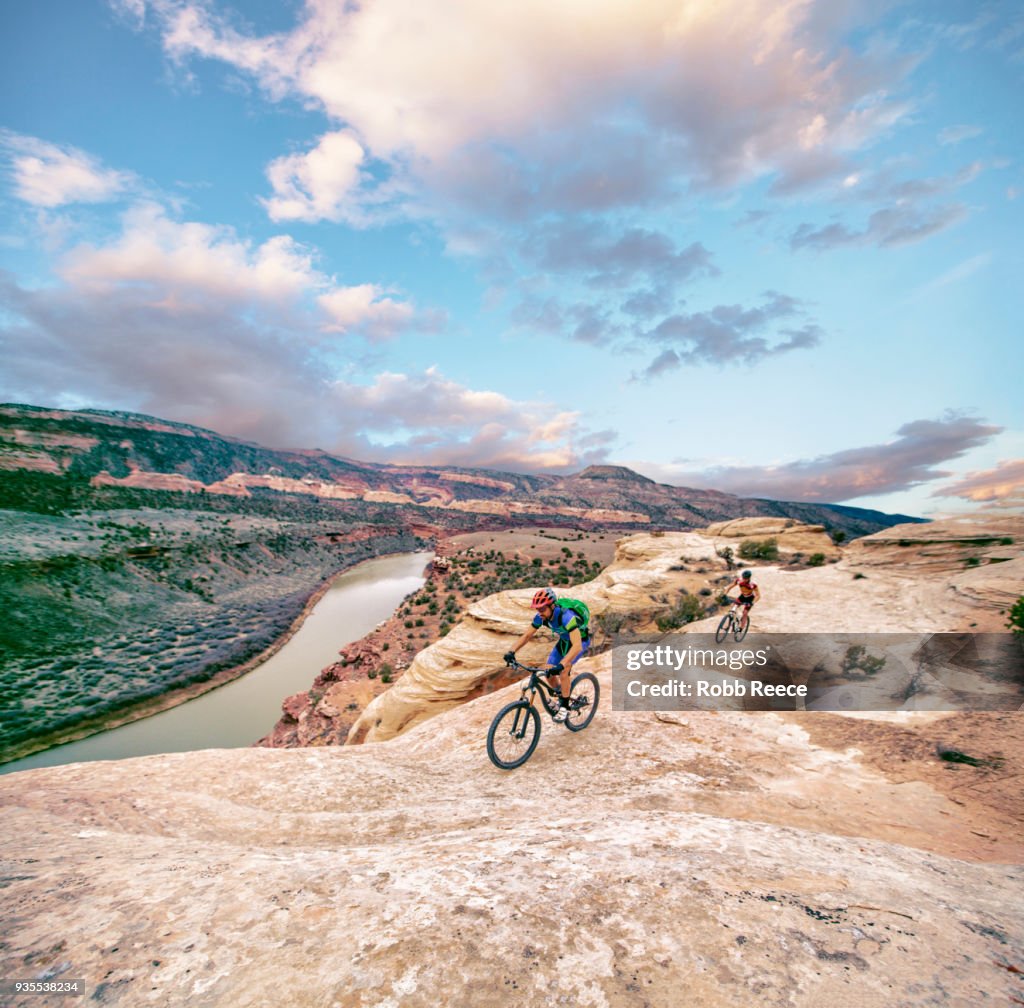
724	627
585	685
505	749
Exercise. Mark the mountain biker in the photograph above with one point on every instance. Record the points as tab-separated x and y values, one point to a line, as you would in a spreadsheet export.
573	642
749	593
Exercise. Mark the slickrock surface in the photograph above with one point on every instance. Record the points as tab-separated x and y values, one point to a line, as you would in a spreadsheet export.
711	859
651	861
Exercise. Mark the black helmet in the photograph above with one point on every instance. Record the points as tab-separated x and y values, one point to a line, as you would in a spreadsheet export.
746	575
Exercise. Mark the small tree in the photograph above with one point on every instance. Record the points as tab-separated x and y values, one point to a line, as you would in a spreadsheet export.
727	555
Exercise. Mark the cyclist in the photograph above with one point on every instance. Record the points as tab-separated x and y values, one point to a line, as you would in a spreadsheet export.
749	593
573	642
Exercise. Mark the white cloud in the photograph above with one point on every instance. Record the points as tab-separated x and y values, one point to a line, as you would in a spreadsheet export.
47	175
363	306
179	266
316	185
957	134
432	419
194	259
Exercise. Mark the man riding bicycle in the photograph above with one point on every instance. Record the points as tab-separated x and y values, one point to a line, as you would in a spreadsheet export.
573	642
749	593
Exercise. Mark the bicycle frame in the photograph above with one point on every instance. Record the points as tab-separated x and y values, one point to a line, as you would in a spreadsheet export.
738	610
536	684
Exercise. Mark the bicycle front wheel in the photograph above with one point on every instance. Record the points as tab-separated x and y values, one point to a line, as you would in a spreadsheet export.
513	735
723	628
584	696
741	626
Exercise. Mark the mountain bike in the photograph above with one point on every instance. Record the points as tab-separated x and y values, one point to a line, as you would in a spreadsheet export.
515	730
734	622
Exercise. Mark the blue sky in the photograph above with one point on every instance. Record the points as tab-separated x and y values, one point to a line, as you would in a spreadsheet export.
768	247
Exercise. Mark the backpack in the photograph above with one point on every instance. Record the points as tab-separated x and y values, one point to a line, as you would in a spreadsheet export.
581	611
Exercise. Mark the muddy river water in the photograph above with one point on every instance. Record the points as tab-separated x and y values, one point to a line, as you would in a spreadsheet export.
242	711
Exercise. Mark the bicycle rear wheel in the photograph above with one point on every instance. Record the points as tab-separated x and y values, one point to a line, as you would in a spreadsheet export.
723	628
584	694
513	735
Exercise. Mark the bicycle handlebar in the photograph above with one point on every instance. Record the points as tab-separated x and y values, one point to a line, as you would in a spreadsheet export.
519	666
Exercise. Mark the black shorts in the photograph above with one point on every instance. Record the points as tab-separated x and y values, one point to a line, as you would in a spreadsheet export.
746	600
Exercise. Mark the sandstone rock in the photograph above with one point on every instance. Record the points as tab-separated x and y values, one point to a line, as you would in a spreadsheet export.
720	860
790	535
468	659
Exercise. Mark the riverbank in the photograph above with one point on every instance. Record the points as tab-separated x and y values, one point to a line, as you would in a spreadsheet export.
175	697
468	567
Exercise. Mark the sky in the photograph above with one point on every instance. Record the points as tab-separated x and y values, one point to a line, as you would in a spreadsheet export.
771	247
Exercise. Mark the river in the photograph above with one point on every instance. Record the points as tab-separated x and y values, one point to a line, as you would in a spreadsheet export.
244	710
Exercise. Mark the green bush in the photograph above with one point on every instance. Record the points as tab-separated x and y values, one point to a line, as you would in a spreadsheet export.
686	610
1016	622
764	549
816	560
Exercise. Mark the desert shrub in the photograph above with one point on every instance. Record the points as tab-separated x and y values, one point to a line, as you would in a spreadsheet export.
1016	621
611	623
386	672
857	663
816	560
686	610
763	549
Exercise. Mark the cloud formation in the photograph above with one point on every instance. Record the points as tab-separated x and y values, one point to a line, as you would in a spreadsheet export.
1004	483
316	185
729	334
429	419
190	322
47	175
908	210
912	458
502	91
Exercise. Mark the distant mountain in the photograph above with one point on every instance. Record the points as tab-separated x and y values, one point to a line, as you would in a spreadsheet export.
107	448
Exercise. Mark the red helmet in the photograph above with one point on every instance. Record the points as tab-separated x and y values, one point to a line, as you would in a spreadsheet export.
543	597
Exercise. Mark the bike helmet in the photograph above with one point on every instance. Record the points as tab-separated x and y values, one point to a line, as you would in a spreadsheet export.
746	575
543	597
